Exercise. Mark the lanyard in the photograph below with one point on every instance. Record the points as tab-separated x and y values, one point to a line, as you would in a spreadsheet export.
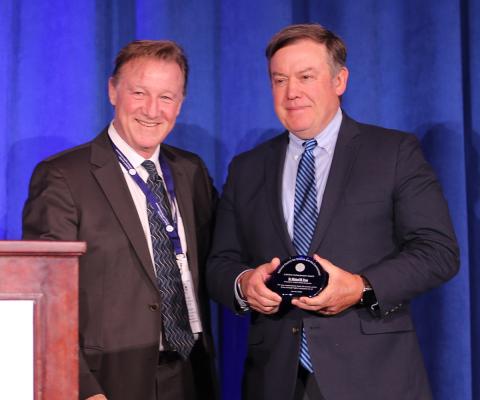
170	226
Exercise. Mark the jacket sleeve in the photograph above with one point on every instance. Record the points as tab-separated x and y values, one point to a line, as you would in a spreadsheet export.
225	262
428	251
50	214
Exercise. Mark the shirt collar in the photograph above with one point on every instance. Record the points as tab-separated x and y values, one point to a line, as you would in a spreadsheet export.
326	139
135	159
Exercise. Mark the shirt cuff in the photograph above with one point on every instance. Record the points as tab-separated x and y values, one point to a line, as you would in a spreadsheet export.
239	296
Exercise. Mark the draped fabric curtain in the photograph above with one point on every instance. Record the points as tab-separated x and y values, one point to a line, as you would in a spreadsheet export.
413	66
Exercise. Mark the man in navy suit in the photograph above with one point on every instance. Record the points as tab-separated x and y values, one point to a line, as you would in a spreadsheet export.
381	229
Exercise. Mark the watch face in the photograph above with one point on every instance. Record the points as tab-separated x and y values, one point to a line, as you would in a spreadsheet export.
368	297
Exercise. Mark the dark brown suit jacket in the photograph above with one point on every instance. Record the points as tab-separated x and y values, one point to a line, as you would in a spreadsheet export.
81	194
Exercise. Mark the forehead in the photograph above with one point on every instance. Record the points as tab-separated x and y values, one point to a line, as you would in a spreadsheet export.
150	68
304	53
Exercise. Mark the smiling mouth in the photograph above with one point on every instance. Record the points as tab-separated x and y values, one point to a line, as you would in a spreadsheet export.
296	108
147	124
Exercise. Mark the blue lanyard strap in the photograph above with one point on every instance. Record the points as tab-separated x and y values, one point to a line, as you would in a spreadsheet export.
170	226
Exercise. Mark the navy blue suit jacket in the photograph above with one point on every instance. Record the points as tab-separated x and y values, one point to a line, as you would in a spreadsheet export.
383	216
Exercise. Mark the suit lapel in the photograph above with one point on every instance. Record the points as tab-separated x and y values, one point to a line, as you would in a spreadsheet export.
343	159
110	178
274	162
184	196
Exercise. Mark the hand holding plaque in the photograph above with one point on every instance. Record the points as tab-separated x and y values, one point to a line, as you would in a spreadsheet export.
298	276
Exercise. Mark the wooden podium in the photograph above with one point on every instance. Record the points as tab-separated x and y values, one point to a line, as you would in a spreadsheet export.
46	275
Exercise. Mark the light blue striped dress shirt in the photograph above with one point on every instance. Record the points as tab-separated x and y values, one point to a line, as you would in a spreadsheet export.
326	141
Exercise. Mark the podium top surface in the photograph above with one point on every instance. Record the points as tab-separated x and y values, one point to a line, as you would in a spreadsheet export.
51	248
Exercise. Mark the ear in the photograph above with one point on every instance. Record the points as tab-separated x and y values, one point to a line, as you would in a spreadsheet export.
340	81
179	106
112	91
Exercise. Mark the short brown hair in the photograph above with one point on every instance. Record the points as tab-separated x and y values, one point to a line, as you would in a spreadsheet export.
335	46
165	50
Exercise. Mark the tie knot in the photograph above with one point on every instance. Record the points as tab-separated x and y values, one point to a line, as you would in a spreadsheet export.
309	144
151	169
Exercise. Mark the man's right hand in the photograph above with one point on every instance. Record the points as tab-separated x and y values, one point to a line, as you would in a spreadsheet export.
97	397
258	296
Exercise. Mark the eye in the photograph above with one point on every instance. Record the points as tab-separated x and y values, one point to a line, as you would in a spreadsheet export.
307	77
138	93
279	81
166	99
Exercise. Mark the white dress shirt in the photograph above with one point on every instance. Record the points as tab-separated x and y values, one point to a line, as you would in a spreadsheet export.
140	202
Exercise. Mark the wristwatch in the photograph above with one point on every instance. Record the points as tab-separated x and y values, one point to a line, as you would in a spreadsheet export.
369	300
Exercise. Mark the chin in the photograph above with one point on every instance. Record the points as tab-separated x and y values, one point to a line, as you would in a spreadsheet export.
300	130
299	124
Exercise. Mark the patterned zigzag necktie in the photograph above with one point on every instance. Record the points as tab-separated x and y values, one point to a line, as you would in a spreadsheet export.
176	326
304	221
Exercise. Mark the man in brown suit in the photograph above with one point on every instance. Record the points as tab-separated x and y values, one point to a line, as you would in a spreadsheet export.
127	348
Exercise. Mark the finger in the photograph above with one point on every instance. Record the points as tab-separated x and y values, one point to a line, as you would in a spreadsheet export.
267	301
327	265
306	306
323	299
269	297
271	310
262	289
272	265
255	289
262	296
265	309
261	293
327	311
323	310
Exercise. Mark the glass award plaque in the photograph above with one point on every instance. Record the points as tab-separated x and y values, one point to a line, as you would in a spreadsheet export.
298	276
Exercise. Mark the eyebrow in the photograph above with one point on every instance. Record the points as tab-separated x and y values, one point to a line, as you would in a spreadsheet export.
309	69
139	86
303	71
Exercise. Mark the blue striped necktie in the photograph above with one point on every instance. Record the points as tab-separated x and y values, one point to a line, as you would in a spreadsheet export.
304	220
176	326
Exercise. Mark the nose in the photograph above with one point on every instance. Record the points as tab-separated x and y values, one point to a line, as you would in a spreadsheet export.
150	108
293	91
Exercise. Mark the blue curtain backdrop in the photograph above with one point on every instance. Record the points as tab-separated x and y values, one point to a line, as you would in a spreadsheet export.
414	65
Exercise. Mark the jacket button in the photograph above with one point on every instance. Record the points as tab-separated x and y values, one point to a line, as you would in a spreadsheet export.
153	307
295	330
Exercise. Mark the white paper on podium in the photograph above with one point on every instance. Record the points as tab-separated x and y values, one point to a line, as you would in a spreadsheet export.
16	349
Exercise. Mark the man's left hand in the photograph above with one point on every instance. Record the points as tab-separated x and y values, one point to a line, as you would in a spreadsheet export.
344	290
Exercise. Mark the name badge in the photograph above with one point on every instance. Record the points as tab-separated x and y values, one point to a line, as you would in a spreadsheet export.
192	306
